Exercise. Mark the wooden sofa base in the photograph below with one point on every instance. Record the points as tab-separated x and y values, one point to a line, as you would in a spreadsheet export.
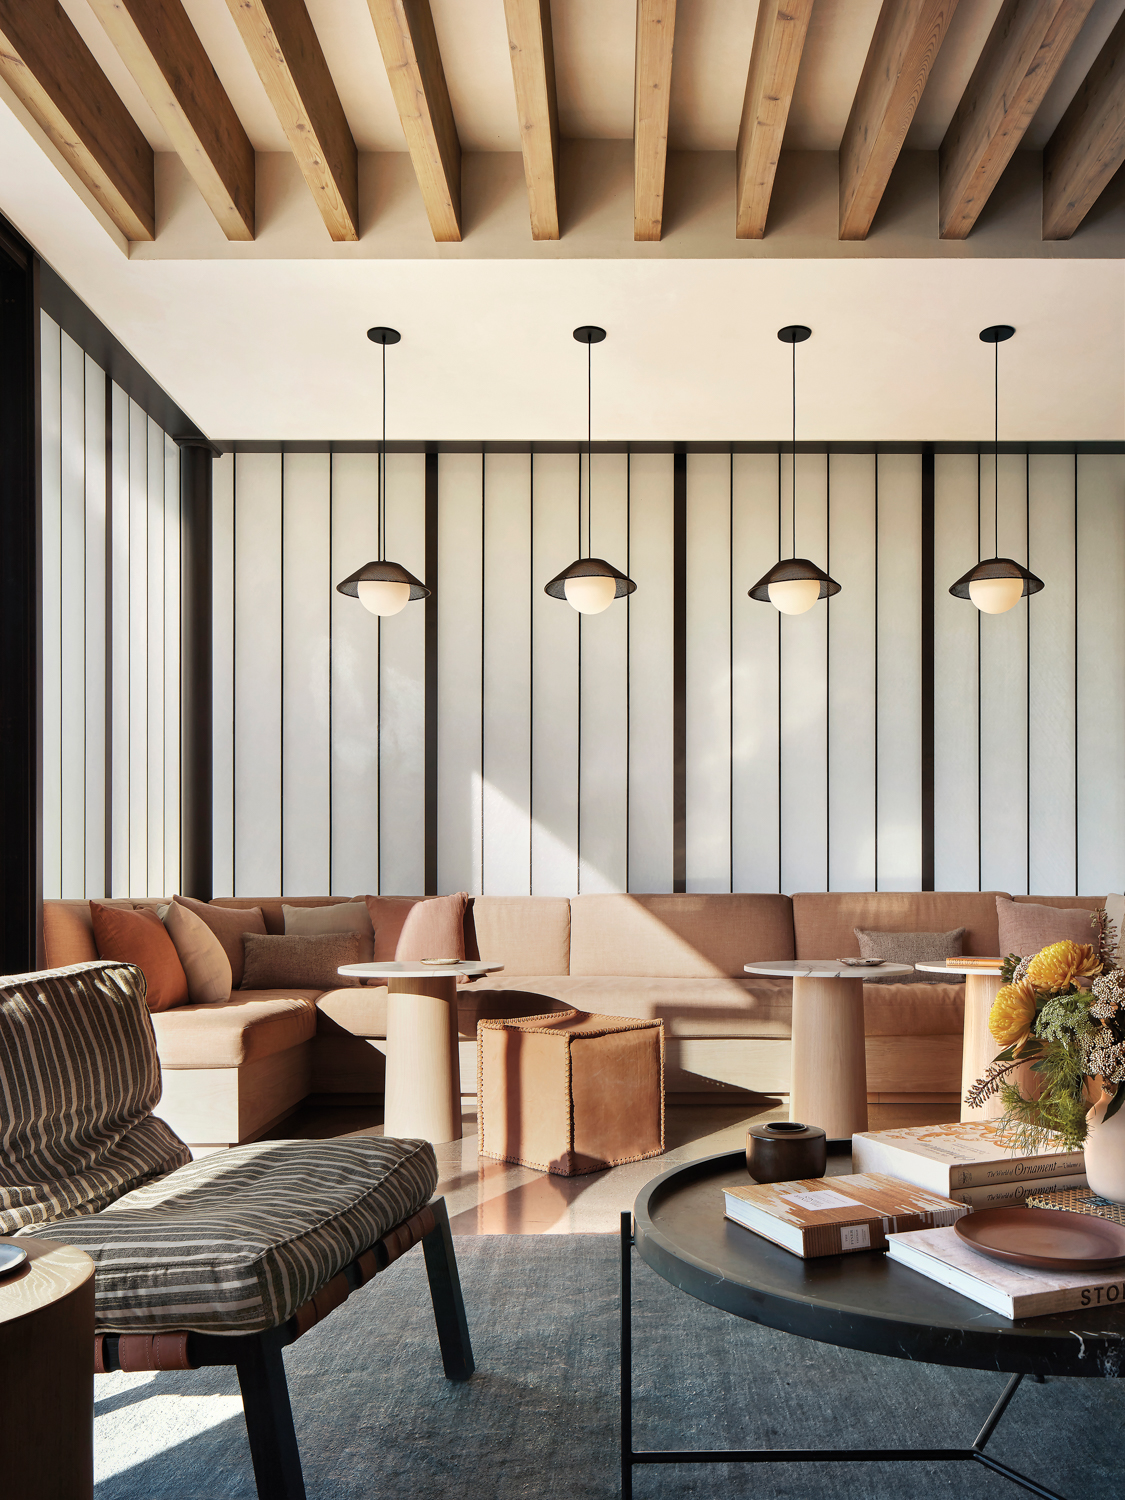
219	1107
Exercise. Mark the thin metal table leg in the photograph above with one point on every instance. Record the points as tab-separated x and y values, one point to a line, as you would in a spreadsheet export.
997	1411
626	1357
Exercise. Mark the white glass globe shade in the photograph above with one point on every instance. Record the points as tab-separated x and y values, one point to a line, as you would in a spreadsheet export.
993	596
590	595
794	596
381	597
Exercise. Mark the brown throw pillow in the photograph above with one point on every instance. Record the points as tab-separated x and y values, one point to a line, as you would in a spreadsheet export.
1026	926
229	924
434	929
910	948
138	937
339	916
299	963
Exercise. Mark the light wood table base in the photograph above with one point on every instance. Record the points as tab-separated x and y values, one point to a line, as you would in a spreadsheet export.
423	1091
978	1048
829	1084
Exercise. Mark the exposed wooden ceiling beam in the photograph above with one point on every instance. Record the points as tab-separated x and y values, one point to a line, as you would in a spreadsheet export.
1088	145
284	48
160	47
533	72
408	42
1024	51
903	47
52	72
779	40
656	25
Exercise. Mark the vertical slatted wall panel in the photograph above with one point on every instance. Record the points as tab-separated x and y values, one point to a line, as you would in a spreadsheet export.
52	449
137	439
120	650
709	627
223	715
94	630
155	581
72	617
172	683
956	842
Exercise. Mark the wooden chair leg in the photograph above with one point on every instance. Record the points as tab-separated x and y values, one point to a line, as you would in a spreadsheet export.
445	1291
269	1418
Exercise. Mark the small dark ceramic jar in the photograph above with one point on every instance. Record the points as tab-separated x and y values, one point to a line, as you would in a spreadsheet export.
785	1151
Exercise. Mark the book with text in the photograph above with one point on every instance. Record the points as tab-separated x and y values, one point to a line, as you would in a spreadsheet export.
825	1216
1014	1194
1012	1291
962	1154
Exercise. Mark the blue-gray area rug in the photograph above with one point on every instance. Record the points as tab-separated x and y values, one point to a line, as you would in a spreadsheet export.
375	1416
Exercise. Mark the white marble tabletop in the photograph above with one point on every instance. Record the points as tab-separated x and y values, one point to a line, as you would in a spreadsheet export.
406	970
944	968
826	968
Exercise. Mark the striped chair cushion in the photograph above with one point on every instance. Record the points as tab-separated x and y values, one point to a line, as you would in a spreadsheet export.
79	1077
238	1240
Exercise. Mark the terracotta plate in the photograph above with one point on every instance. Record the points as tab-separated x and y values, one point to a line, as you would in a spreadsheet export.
11	1256
1046	1237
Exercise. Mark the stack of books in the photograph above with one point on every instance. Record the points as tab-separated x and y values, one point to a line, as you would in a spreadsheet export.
967	1162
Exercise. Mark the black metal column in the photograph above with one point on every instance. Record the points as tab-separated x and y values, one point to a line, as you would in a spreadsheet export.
927	604
679	672
196	685
21	869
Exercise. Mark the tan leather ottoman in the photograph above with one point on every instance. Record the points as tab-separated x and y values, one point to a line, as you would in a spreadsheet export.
570	1093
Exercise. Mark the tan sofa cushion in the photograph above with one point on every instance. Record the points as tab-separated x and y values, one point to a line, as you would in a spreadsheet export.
914	1009
825	923
1068	903
254	1024
527	934
689	936
362	1011
272	907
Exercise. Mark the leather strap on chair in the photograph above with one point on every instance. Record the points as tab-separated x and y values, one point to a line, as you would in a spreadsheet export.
395	1242
141	1351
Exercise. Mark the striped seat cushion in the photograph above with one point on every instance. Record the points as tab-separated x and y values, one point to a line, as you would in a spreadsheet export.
79	1077
237	1241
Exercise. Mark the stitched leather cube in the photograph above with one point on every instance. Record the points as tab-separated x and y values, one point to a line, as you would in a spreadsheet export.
570	1093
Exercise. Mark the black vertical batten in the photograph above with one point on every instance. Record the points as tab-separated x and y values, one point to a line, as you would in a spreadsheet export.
927	605
21	724
828	678
1076	790
431	669
108	750
196	779
628	661
679	672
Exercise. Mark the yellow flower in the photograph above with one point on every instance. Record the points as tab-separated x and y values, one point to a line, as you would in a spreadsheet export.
1056	966
1012	1013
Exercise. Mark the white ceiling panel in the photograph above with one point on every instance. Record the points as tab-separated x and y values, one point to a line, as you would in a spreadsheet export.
347	36
710	61
835	50
595	50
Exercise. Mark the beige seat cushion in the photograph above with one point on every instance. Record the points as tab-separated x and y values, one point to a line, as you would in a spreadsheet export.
825	924
527	934
363	1012
252	1025
651	937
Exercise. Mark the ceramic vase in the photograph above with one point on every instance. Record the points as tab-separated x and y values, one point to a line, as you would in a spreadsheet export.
1105	1155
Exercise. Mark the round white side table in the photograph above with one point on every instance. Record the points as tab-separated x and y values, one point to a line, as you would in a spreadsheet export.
423	1088
829	1066
977	1049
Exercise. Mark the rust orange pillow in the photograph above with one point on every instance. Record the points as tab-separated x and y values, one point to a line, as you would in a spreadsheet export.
139	937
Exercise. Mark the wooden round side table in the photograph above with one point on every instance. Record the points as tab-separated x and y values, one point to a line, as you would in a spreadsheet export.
978	1048
47	1373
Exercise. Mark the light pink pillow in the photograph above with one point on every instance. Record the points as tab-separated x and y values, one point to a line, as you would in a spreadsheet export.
1026	927
434	929
387	914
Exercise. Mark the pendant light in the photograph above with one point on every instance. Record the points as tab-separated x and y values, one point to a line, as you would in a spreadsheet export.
590	584
996	584
794	584
381	586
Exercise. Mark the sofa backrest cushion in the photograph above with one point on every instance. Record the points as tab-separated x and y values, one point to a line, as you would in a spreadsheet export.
527	934
825	923
79	1077
272	906
68	930
677	936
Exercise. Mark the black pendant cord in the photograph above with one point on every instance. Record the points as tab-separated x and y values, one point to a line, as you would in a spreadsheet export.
589	451
382	468
793	525
996	450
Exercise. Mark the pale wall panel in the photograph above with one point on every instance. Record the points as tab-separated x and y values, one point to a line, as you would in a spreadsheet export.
95	630
508	585
1101	673
1051	769
120	647
72	612
402	764
355	681
52	445
306	611
955	675
222	667
257	666
154	647
138	651
605	718
554	851
708	673
460	597
899	706
172	872
755	806
649	622
851	673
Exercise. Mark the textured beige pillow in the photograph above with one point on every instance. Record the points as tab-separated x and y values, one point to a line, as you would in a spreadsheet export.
228	923
204	959
299	963
341	916
1025	926
910	948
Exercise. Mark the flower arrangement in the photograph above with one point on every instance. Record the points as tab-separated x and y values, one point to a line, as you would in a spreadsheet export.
1061	1011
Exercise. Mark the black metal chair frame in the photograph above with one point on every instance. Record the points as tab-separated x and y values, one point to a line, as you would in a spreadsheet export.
261	1370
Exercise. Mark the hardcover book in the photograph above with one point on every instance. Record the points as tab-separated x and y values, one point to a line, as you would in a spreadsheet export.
963	1154
1012	1291
1027	1190
829	1215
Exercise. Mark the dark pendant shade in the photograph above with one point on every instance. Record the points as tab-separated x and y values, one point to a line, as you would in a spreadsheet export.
589	567
794	570
996	567
382	572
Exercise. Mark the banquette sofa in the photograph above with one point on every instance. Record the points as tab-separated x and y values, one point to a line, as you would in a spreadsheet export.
233	1070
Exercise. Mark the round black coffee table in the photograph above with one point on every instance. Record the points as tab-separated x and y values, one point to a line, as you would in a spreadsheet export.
859	1301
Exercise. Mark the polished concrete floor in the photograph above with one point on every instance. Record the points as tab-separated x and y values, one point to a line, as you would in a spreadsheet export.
494	1197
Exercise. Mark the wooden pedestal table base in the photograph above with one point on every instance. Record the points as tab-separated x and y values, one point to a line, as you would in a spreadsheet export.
47	1373
423	1097
978	1048
829	1068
